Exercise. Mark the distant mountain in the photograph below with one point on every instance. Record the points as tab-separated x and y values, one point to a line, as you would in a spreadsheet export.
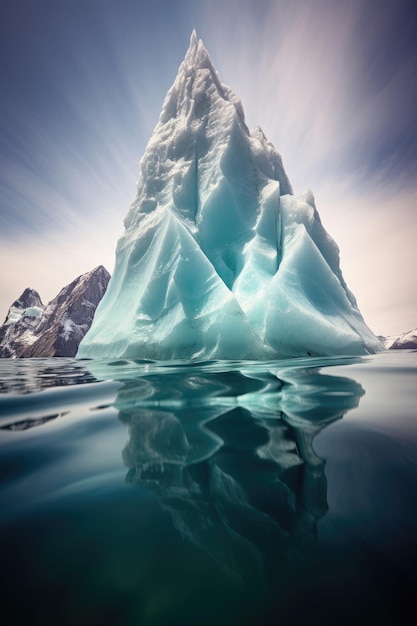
33	330
29	304
22	318
406	341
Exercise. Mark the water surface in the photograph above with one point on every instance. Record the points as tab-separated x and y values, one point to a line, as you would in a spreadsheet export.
209	493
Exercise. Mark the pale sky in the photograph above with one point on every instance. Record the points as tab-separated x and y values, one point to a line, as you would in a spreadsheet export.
333	84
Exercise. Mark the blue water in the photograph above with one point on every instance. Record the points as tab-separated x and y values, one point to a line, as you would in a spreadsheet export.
136	493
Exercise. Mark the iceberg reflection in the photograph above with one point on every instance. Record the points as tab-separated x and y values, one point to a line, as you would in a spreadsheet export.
230	456
178	493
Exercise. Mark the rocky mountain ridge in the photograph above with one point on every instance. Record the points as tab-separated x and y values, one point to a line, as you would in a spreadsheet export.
32	329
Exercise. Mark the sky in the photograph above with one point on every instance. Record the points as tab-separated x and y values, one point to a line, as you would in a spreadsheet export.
332	83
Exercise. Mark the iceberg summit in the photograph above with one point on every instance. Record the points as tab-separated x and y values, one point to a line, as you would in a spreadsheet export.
219	259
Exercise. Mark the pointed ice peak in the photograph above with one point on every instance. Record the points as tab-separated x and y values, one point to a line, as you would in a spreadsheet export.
194	40
201	137
197	55
196	51
197	58
197	82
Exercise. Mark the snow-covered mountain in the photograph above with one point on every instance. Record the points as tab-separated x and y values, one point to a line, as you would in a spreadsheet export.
218	258
21	320
405	341
33	330
29	304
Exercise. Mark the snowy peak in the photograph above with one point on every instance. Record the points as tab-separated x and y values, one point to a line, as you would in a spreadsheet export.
69	315
29	303
57	329
405	341
88	284
29	298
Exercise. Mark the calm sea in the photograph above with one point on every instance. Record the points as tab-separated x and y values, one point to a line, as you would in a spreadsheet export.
142	493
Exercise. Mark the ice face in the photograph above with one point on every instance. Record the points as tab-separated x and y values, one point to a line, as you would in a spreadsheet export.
218	258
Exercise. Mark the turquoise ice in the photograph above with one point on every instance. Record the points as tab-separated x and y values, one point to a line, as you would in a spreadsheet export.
219	259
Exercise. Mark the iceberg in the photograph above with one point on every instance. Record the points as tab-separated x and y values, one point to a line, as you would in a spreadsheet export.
219	259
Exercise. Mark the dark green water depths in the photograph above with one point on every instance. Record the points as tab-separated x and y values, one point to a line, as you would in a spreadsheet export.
138	493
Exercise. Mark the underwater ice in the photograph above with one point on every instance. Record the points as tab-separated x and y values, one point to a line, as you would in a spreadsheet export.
219	259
